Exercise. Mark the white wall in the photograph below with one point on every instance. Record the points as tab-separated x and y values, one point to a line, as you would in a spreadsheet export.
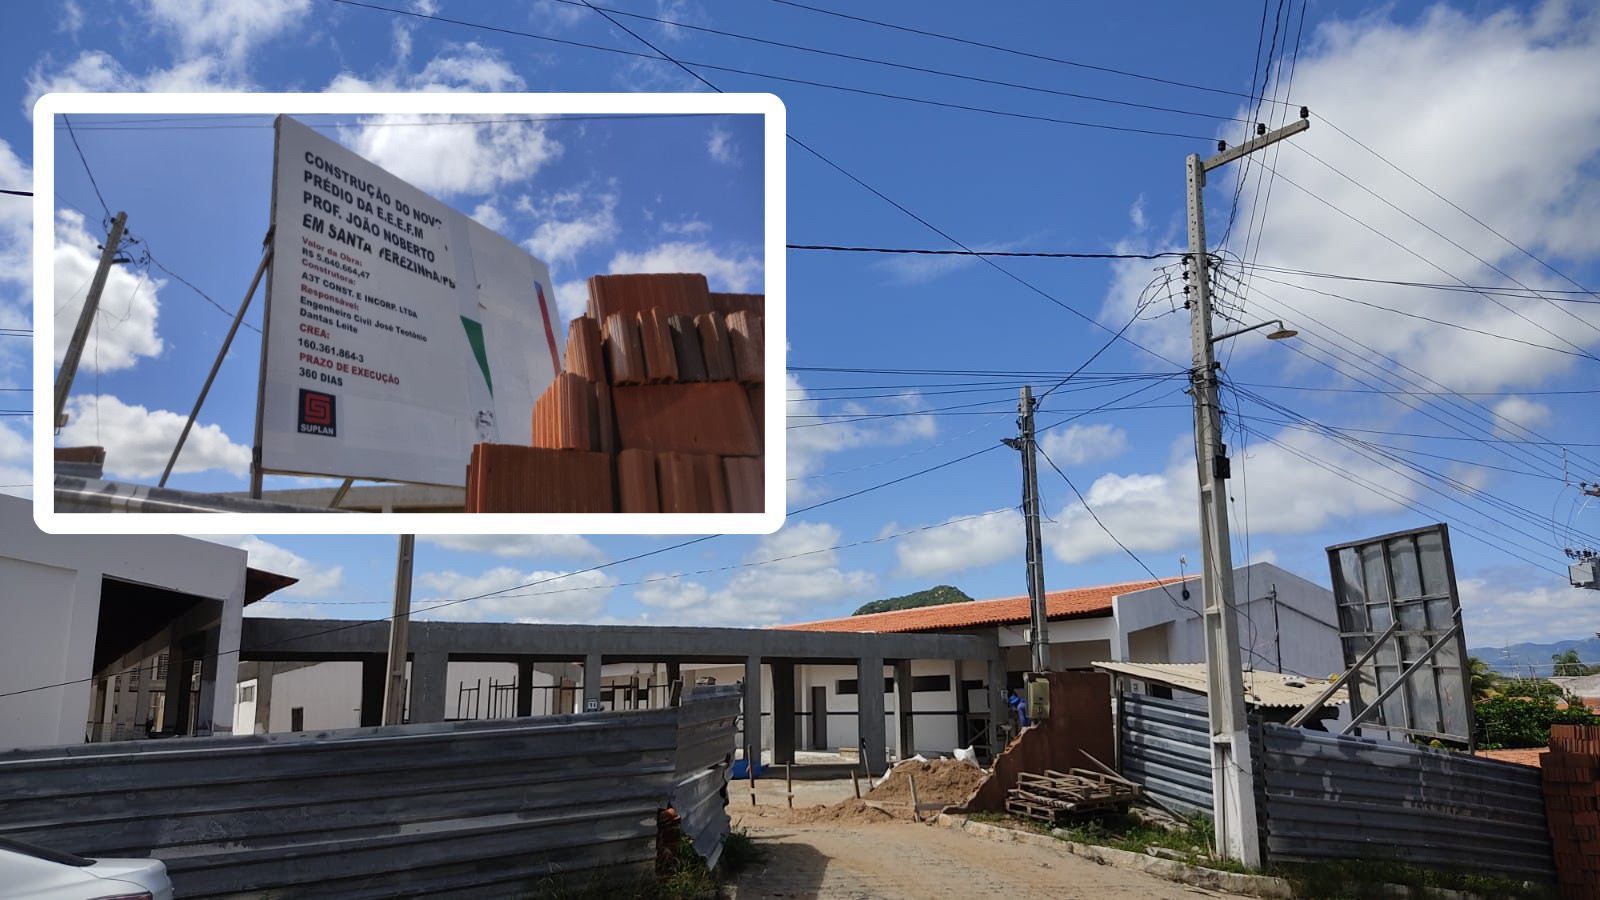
1303	628
50	592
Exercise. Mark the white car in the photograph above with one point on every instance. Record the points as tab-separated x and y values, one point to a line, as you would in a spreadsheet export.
34	873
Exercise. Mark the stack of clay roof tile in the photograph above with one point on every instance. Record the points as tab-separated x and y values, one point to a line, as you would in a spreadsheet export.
659	408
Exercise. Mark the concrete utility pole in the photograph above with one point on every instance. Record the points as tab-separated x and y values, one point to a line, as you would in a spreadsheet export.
91	306
394	686
1038	632
1232	769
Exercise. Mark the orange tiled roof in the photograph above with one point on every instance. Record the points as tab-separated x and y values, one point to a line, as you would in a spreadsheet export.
1069	604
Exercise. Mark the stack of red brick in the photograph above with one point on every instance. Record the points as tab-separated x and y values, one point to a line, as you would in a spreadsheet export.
658	408
1572	806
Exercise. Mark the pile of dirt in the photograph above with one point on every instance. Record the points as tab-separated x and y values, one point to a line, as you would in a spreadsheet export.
947	781
849	810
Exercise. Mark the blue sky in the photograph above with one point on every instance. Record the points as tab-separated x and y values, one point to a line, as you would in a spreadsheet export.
1450	94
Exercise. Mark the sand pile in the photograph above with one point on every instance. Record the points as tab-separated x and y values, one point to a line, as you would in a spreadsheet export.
946	781
850	810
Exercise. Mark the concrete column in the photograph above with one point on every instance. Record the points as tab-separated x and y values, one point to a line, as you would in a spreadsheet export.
429	672
264	672
752	708
963	707
783	711
675	672
175	710
524	687
208	701
593	667
374	671
997	703
904	706
869	713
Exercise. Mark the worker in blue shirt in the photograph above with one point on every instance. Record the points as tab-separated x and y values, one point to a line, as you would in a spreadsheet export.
1018	706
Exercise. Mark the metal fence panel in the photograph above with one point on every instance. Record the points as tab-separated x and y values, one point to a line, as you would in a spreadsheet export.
706	724
1165	748
1333	797
485	807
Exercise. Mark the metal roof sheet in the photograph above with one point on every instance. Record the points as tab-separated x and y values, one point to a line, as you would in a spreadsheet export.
1264	689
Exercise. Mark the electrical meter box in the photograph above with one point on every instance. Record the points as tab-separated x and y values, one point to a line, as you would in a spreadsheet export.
1038	697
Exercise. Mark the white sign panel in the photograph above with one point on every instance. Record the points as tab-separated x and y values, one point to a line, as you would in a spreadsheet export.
399	331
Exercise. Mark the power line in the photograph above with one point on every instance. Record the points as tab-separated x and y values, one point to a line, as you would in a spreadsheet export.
690	66
16	193
1501	291
155	123
85	161
1486	226
1013	51
1040	254
150	258
902	66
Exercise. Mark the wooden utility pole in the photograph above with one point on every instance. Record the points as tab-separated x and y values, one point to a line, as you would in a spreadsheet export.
91	306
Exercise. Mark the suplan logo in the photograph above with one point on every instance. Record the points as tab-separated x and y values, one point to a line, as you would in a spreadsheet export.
317	413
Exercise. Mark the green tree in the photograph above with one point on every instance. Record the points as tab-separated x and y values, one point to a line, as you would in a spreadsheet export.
934	596
1521	714
1568	663
1483	678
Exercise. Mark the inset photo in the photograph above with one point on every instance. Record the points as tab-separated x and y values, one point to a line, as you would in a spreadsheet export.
359	314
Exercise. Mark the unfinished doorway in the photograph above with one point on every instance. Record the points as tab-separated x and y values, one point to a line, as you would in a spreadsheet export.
819	717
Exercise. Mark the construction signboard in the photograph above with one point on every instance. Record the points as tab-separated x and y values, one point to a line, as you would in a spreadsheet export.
1400	623
399	332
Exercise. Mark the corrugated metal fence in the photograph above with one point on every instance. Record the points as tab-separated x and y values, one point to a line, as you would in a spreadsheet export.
483	808
706	726
1331	797
1164	747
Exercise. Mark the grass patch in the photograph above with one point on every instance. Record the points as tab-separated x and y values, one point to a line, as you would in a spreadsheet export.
740	851
1332	880
1340	879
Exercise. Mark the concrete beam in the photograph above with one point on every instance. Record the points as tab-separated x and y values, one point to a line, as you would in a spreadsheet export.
869	714
290	639
429	671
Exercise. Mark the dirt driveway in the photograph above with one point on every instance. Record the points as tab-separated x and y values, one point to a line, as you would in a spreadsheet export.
892	860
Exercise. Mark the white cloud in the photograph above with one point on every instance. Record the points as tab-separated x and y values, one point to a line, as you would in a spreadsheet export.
1154	512
1079	444
71	17
571	222
572	298
721	147
1518	415
1419	92
489	216
809	446
561	546
447	160
229	28
551	596
125	329
736	273
16	462
805	575
97	70
963	545
316	579
1510	606
16	259
686	226
138	441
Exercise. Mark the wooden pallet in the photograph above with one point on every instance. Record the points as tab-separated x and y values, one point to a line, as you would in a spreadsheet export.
1056	796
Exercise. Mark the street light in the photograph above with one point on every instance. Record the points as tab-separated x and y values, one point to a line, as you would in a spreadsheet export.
1282	332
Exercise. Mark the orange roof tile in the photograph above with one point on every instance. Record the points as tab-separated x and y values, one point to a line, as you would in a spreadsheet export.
1074	603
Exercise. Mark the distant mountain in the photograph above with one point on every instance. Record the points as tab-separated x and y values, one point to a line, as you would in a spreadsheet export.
1521	659
934	596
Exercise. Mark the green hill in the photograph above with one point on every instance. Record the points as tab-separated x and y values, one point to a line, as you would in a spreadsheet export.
934	596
